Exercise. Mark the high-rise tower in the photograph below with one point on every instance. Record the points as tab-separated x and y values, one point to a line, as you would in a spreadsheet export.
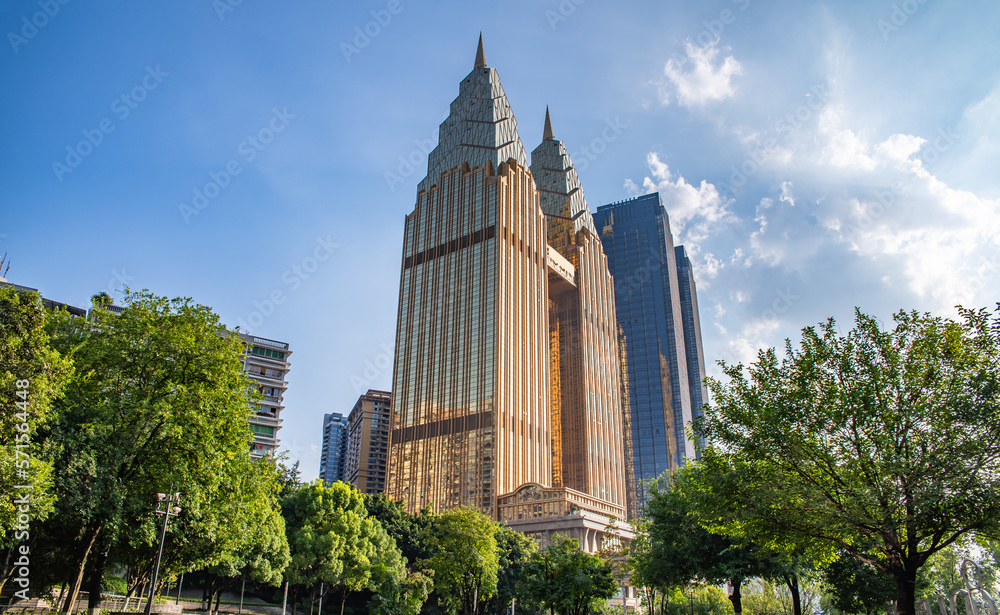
471	376
658	312
506	387
587	411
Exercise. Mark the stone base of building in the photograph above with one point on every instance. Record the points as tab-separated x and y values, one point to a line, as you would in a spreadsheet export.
546	513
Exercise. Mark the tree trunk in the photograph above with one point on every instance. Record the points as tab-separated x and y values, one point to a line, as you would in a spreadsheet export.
89	537
906	586
735	597
343	599
95	583
792	581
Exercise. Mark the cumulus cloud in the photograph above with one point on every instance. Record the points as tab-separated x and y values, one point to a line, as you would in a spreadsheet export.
852	219
685	202
699	78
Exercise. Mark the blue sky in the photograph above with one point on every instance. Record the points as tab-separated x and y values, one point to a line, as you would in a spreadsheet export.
813	157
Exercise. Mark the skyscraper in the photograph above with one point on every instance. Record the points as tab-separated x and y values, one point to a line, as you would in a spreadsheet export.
506	386
692	334
333	458
657	308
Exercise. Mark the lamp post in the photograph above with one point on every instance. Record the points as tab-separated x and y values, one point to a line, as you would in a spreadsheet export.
166	506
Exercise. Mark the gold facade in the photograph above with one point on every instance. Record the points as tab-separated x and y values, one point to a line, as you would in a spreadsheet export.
507	367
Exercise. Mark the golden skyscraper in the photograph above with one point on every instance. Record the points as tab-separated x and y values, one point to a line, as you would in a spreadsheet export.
507	382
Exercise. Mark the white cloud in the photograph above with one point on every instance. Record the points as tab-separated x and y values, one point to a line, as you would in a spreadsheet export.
696	79
696	212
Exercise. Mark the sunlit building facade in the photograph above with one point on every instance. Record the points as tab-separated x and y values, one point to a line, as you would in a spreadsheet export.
507	367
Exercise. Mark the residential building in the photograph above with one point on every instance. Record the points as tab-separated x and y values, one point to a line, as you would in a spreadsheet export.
507	391
266	362
333	459
657	311
368	441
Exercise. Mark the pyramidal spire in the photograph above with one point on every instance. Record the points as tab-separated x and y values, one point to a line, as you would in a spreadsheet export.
480	127
480	56
547	133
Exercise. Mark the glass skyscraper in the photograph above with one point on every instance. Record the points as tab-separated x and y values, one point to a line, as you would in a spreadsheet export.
657	308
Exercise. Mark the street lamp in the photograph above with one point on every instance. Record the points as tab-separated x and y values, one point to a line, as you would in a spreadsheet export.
166	506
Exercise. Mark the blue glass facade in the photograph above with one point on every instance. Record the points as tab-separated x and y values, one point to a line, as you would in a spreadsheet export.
692	334
651	307
332	459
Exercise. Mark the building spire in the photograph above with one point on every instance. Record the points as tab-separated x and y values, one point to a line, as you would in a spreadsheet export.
547	133
480	56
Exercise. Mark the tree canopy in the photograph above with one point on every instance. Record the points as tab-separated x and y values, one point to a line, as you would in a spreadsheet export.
883	443
566	579
466	559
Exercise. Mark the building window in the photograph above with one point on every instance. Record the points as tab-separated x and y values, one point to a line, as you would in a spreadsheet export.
267	352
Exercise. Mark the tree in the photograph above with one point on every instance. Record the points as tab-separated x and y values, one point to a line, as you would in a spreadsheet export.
333	541
514	550
465	560
158	402
855	587
32	375
566	579
413	533
680	550
246	538
888	438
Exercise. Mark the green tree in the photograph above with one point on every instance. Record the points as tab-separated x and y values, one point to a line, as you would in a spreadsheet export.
157	402
514	550
887	438
334	542
566	579
681	550
245	539
465	561
32	375
852	586
413	533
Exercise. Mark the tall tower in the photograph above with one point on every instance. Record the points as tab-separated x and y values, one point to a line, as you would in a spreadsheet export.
636	237
692	335
471	375
587	411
